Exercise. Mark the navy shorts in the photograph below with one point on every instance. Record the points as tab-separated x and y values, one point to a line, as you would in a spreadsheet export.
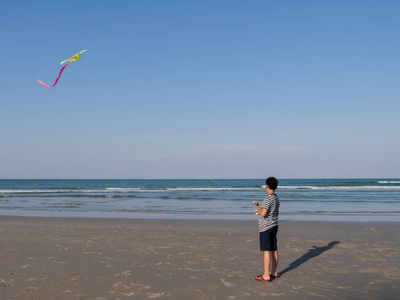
268	241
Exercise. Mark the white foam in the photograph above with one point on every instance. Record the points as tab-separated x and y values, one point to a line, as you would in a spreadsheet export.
123	190
211	189
60	191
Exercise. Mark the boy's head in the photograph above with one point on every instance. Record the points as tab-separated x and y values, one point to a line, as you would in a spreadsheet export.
272	183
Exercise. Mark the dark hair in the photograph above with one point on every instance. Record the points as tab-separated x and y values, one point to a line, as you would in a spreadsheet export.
272	183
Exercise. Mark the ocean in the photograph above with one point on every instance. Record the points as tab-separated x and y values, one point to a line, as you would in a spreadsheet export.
301	199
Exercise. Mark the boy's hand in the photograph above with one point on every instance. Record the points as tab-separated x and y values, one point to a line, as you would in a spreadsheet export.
257	212
255	203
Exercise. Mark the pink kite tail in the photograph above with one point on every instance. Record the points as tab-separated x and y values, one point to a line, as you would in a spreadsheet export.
58	77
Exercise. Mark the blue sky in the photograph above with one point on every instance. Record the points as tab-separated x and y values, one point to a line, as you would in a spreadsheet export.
200	89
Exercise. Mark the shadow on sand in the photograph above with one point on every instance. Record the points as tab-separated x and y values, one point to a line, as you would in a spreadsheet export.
315	251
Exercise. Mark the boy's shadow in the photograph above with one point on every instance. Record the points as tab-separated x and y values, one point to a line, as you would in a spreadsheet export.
307	256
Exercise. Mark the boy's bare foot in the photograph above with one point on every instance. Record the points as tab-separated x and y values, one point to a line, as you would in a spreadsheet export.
274	276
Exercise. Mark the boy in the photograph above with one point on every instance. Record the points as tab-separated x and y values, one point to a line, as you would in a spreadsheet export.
268	228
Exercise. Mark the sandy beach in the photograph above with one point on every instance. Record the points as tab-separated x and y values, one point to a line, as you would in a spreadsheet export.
60	258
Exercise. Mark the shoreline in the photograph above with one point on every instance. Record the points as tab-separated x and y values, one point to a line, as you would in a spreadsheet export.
88	258
352	218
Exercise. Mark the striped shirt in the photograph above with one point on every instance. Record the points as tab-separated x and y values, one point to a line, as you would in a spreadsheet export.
271	204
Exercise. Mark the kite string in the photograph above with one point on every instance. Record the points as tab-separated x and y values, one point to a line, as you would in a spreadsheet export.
106	89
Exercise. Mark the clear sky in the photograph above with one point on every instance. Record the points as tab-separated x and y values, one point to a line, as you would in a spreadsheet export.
200	89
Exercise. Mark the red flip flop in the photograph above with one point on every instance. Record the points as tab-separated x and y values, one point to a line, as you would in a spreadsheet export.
261	278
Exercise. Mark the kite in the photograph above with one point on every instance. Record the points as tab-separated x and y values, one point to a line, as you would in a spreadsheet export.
72	59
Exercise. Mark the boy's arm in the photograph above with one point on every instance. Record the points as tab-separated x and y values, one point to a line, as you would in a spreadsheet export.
261	212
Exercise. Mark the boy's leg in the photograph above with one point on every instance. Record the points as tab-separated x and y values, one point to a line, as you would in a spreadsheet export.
267	264
274	253
274	262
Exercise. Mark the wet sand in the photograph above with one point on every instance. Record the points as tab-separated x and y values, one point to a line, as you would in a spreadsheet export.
57	258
